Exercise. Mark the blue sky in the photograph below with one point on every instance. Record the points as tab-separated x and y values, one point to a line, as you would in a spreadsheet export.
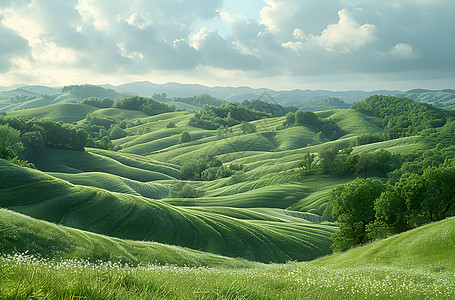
279	44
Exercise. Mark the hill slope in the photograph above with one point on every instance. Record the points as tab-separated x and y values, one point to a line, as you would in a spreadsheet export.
132	217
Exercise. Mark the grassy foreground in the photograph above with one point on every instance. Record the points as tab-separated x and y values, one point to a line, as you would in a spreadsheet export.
25	278
341	276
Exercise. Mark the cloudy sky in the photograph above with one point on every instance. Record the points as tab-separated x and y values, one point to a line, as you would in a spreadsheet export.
279	44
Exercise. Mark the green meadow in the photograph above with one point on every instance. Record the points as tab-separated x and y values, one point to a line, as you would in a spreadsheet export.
127	222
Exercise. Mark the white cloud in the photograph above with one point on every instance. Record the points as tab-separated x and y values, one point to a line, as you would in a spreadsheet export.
345	36
297	37
404	51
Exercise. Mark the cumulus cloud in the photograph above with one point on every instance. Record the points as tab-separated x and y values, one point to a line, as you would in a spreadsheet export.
219	53
347	35
287	38
12	46
402	50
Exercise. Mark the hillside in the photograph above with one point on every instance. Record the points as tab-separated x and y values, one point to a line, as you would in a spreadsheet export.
138	218
342	276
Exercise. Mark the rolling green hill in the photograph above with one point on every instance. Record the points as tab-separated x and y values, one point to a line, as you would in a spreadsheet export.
430	247
138	218
67	112
23	234
121	206
404	266
41	101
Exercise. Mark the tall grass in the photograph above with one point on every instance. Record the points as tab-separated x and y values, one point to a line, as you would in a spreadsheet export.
30	278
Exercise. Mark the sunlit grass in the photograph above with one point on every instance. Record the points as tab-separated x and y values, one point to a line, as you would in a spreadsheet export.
25	277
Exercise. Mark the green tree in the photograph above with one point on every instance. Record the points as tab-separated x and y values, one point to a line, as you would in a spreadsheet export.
307	163
248	127
353	208
366	163
170	124
184	137
10	144
327	157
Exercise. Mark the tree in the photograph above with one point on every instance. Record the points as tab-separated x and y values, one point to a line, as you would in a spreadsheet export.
327	156
290	119
353	208
170	124
184	137
247	127
366	163
307	163
10	143
307	118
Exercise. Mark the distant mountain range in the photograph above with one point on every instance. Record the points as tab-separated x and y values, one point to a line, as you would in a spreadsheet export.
238	94
305	99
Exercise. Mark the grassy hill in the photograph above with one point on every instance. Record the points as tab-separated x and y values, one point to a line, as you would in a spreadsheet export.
23	234
138	218
430	247
351	275
67	112
40	101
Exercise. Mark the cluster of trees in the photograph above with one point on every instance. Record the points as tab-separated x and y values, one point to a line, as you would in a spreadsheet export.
324	104
208	167
401	116
274	109
39	133
88	90
143	104
230	114
421	189
98	102
369	209
146	105
196	100
22	98
343	162
102	129
20	137
184	190
327	129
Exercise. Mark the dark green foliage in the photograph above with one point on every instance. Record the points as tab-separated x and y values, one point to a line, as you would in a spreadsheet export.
170	124
197	100
307	118
276	110
327	157
324	104
88	90
185	137
415	200
100	126
444	136
307	163
327	129
247	127
353	208
184	190
10	144
212	117
38	132
208	168
290	119
400	117
146	105
422	190
97	102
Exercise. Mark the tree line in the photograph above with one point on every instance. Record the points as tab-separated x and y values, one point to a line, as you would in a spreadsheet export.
419	190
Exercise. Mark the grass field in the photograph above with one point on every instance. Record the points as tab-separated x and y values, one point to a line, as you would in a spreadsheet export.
89	213
352	275
67	112
138	218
